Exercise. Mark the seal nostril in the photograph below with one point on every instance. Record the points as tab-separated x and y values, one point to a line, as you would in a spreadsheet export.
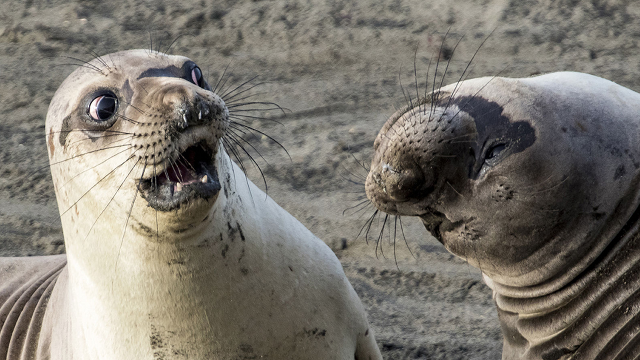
402	184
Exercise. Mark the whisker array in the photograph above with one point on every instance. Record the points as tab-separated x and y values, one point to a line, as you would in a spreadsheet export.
426	101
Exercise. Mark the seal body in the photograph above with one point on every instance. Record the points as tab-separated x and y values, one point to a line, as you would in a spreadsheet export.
172	253
535	182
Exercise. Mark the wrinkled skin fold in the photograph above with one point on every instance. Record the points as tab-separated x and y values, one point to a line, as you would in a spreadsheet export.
534	181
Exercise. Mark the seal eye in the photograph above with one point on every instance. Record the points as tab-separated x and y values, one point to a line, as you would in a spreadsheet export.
495	151
196	77
103	107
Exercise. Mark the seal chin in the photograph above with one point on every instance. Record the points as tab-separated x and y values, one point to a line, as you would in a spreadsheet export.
193	177
437	224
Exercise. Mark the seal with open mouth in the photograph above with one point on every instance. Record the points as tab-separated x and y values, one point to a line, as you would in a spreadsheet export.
536	182
171	252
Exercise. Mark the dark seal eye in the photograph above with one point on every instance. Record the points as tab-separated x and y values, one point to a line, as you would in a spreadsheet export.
103	107
495	151
196	77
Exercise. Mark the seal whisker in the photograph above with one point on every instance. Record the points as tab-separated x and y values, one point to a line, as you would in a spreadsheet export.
231	148
232	137
406	99
362	178
458	83
124	231
137	108
395	231
87	153
94	166
380	235
459	136
100	59
456	88
435	74
361	163
224	72
240	138
110	200
404	237
363	204
262	133
227	95
476	93
243	117
454	189
362	210
367	225
83	130
85	64
186	162
224	81
426	84
234	99
173	42
564	179
235	108
94	185
115	141
178	173
120	116
446	69
100	137
415	74
538	184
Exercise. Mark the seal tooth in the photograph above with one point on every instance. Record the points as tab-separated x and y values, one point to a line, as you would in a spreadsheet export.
178	187
204	179
200	115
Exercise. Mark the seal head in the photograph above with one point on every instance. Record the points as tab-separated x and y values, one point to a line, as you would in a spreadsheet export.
171	252
155	121
531	180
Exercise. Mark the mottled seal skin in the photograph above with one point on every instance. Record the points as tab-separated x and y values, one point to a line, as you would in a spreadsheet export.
534	181
172	253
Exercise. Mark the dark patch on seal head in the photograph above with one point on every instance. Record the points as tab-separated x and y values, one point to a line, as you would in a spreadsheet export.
183	72
64	131
169	71
127	92
494	129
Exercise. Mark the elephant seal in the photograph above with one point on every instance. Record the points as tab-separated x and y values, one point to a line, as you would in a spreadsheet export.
171	252
535	181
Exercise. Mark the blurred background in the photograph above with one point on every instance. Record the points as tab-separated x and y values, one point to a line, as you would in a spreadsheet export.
337	67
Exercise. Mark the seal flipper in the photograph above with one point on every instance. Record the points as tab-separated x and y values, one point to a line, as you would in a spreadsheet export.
25	287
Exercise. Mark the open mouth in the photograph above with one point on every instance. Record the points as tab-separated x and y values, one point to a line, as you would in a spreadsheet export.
192	175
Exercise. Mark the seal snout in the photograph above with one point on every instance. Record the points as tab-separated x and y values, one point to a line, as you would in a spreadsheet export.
399	183
195	119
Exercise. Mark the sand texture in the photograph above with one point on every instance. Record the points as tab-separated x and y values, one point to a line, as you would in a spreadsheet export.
336	66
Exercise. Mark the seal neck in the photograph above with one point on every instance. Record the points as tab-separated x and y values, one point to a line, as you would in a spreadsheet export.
168	290
600	299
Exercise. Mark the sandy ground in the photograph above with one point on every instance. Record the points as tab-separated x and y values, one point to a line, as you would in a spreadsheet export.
335	65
